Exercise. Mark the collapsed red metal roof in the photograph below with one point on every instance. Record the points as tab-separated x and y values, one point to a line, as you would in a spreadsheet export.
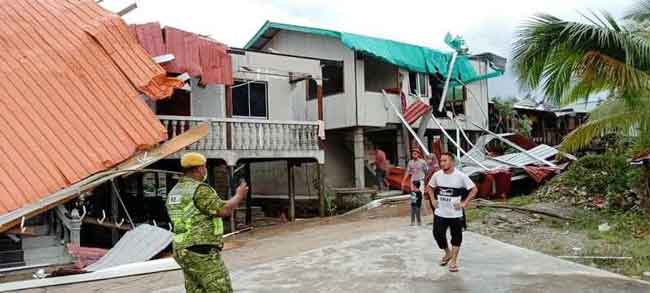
70	98
194	54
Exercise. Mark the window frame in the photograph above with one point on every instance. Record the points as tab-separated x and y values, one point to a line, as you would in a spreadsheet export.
266	98
421	82
324	63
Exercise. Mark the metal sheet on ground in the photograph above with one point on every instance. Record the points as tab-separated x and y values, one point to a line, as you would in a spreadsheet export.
140	244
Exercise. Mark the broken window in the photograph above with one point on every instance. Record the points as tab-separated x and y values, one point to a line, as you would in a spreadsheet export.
418	84
249	99
332	77
379	75
455	102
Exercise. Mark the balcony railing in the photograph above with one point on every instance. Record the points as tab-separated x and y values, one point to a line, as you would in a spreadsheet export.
243	134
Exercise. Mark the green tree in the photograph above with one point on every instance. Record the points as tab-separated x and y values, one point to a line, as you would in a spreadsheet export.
571	60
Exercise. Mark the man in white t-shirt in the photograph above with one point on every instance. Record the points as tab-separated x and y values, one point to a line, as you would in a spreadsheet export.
450	191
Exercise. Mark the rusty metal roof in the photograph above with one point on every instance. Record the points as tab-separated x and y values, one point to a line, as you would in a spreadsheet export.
70	96
194	54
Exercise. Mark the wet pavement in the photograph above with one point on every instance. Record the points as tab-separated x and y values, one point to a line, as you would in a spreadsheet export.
404	260
380	255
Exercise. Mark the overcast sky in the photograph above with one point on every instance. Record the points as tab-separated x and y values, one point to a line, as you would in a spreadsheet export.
487	26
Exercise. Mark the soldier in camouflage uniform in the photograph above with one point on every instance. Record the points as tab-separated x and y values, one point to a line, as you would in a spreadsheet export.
196	210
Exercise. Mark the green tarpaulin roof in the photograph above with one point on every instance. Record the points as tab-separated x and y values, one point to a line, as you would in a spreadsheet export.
411	57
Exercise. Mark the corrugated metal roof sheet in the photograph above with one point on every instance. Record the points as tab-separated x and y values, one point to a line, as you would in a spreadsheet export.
69	96
196	55
137	245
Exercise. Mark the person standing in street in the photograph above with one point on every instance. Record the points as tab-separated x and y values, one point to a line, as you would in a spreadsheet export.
196	213
417	169
451	191
416	204
381	167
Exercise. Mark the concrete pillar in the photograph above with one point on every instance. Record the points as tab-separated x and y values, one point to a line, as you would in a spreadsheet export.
231	190
359	156
249	196
75	228
321	190
292	191
402	154
445	143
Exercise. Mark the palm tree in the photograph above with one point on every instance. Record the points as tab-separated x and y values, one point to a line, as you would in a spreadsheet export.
570	61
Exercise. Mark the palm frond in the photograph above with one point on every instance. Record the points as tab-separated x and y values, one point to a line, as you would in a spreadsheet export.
553	54
616	122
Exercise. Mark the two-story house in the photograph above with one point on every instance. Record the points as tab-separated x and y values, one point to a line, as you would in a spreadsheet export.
355	71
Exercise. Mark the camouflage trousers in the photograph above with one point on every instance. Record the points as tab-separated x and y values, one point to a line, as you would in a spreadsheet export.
203	272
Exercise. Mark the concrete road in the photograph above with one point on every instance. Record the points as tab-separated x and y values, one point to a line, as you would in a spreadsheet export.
382	255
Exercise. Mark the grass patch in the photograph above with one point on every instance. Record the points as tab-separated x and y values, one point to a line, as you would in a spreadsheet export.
478	214
629	235
522	200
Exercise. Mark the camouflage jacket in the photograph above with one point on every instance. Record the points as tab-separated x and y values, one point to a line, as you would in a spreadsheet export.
194	208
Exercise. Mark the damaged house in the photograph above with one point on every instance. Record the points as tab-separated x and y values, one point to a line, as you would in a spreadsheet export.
263	125
357	70
73	103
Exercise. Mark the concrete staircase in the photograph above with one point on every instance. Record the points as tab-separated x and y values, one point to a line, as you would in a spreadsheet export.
44	250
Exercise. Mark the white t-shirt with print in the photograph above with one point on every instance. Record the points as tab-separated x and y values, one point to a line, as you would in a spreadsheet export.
446	198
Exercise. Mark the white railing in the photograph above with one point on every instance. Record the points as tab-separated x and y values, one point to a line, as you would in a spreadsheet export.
247	134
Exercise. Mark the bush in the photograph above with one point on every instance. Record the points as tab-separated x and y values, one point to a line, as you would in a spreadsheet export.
603	174
607	176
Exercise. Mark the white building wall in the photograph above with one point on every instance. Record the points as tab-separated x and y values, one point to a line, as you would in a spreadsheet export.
286	101
208	101
339	110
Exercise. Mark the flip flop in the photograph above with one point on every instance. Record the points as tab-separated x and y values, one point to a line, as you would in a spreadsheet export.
444	262
453	268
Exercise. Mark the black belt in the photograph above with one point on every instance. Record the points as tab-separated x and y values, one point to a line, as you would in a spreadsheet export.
205	249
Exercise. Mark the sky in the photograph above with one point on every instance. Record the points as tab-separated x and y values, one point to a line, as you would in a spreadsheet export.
486	26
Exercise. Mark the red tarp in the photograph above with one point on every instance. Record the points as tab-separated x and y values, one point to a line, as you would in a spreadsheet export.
85	256
497	184
540	173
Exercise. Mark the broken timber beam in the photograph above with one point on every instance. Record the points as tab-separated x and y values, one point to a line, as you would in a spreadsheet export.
522	209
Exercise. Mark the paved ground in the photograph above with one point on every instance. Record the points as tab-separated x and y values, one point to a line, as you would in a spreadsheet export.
380	255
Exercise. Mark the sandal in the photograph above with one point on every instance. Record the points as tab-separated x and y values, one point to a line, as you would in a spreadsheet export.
453	268
444	261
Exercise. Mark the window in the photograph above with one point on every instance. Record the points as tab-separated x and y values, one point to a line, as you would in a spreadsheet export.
418	84
249	99
332	77
312	88
379	75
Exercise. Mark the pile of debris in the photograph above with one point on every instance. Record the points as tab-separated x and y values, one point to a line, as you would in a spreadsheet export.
558	191
595	182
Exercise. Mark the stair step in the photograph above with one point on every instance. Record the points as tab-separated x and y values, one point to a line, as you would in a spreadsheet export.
12	264
39	255
40	242
10	256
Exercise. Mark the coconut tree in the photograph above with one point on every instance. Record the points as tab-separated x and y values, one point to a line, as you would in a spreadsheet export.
569	61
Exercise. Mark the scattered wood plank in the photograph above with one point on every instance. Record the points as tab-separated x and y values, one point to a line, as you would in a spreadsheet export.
522	209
